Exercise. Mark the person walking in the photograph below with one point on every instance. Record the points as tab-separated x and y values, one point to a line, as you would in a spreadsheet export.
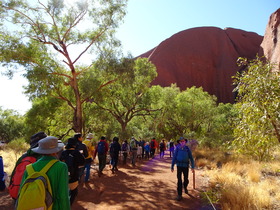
101	151
82	148
124	151
88	160
114	152
162	148
57	174
182	158
133	150
153	146
142	144
73	158
171	148
147	150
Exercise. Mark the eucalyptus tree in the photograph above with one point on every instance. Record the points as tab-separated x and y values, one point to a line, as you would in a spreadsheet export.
127	97
56	43
185	112
259	108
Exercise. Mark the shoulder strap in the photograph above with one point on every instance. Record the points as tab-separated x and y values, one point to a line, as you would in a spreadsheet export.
30	169
47	167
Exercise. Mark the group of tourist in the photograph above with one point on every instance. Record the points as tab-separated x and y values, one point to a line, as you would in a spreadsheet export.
77	156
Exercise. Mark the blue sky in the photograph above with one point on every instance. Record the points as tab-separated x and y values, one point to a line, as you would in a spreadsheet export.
149	22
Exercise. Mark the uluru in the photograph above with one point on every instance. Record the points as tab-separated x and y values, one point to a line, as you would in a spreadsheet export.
204	57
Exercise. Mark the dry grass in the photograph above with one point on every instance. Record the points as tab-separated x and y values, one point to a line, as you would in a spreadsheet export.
241	183
9	159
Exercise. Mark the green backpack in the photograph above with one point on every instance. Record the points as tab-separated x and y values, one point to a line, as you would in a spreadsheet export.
36	192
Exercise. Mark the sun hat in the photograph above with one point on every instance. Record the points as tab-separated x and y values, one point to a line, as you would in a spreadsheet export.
48	145
36	137
90	136
181	138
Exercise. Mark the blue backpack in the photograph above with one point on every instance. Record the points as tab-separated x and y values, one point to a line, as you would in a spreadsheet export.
101	148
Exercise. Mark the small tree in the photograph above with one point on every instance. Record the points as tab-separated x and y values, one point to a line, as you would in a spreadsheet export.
11	125
259	108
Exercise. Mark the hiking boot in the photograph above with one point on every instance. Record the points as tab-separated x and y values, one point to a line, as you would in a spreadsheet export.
186	191
179	197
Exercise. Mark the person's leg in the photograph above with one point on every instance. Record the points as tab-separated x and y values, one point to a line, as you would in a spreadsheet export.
116	163
124	157
134	154
81	173
87	167
179	183
73	194
186	178
103	162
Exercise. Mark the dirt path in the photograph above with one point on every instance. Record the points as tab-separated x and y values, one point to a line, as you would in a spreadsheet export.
148	185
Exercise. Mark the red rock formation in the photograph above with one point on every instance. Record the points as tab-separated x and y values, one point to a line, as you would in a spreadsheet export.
203	57
270	47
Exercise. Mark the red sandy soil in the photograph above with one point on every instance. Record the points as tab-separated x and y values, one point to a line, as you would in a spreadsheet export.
148	185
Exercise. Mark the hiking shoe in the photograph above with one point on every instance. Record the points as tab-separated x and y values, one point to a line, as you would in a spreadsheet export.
186	191
179	197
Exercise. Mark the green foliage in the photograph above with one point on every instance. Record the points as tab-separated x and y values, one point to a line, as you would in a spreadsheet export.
185	112
54	42
126	95
11	125
259	109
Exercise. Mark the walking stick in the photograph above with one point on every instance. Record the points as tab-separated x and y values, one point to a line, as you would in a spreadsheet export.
193	179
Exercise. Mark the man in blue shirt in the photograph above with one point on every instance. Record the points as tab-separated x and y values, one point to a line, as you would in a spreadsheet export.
182	158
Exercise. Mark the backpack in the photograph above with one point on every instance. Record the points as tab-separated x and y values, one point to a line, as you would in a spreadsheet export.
124	147
112	148
183	154
36	187
133	144
89	146
101	148
161	145
17	175
152	144
69	160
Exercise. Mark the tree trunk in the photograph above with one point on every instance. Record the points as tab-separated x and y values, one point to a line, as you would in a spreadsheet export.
78	112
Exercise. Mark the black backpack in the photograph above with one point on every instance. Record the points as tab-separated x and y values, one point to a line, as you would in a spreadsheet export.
68	157
161	145
124	147
152	144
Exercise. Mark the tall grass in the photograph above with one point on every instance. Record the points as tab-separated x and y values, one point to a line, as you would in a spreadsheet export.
11	152
240	182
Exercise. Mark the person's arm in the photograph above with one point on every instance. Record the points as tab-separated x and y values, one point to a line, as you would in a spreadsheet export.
174	158
63	193
191	159
85	151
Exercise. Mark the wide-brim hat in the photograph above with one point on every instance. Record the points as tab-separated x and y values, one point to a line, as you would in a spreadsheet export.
48	145
182	139
90	136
